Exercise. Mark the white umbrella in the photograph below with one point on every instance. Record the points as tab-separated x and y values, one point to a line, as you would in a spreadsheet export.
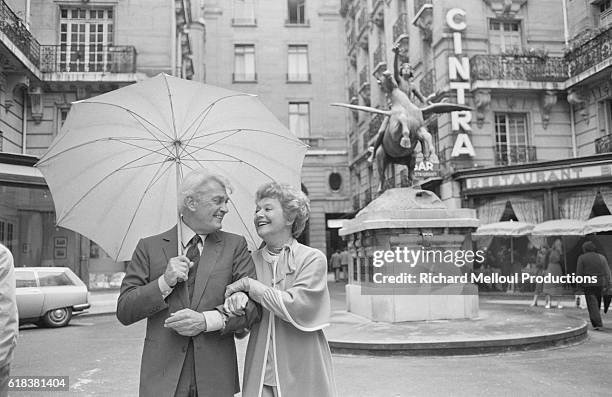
598	224
559	227
113	170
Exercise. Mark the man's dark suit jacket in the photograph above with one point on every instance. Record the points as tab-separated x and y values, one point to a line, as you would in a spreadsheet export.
224	259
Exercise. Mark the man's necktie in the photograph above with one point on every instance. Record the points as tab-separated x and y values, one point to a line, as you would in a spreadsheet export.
193	253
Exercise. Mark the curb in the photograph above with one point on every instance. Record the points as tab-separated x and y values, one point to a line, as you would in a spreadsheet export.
454	348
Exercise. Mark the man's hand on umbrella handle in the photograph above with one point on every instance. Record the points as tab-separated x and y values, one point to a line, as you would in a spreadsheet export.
177	270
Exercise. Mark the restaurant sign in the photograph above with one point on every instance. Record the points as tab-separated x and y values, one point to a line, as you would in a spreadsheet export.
549	176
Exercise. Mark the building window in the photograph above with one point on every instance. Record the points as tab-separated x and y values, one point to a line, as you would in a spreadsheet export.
605	117
7	234
244	13
244	63
299	119
298	63
512	140
504	36
85	38
296	12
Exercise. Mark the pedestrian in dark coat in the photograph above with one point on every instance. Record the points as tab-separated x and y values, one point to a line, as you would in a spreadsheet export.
590	263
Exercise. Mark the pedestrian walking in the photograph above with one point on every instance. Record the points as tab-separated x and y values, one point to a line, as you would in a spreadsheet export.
9	322
345	259
540	262
590	263
336	264
554	268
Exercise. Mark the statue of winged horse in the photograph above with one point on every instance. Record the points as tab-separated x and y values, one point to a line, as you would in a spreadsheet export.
402	128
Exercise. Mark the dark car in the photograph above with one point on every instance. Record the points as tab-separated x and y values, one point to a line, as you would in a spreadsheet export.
48	296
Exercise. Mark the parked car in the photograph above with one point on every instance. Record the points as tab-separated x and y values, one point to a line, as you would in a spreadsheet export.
48	296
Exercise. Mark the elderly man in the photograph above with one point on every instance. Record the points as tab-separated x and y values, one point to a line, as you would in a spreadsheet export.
189	346
9	323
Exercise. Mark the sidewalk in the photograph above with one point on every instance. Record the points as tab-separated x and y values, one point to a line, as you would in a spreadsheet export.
504	324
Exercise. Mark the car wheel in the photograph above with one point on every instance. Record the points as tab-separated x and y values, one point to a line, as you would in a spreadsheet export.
57	317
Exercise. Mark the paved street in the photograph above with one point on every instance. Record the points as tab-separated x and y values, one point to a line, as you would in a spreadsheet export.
102	358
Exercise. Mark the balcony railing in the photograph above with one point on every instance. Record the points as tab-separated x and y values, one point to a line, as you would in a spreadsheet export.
298	77
90	58
514	154
400	27
590	53
427	85
16	31
418	4
603	144
379	55
517	67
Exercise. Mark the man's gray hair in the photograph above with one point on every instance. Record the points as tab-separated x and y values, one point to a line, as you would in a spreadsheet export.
196	179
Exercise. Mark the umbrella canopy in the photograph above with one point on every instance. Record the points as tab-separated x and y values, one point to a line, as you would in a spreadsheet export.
508	228
114	168
598	224
559	227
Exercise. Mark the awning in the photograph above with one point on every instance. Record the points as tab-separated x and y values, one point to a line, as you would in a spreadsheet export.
21	174
508	228
559	227
598	224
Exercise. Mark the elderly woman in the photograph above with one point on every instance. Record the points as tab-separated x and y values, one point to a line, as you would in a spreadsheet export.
287	354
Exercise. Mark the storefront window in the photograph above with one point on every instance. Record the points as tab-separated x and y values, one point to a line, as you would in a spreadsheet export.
28	229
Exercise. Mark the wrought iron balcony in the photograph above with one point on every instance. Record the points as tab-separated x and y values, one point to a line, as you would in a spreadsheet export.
91	58
514	154
590	52
418	4
16	31
379	55
427	84
518	67
400	27
375	124
603	144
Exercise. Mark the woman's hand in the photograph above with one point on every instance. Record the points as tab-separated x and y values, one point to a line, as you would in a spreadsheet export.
235	304
253	287
237	286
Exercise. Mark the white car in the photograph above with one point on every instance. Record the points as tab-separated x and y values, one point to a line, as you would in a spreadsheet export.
48	296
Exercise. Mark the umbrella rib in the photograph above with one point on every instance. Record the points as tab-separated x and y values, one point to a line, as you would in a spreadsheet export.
156	177
132	113
297	141
138	119
242	220
233	157
171	108
206	111
186	145
46	160
122	168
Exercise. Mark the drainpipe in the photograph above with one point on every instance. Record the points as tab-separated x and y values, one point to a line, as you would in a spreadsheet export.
173	45
573	129
24	121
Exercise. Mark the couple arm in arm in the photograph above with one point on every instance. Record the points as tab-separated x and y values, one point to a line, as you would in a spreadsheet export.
145	292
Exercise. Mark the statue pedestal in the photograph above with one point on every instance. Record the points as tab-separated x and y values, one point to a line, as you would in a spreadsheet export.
387	283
